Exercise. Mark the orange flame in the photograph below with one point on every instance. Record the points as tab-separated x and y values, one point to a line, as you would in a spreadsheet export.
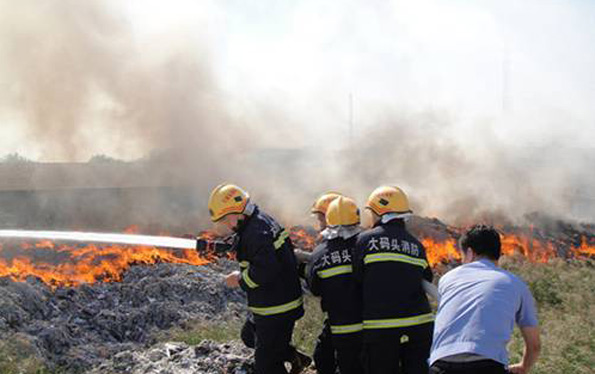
443	251
585	249
94	263
533	249
302	239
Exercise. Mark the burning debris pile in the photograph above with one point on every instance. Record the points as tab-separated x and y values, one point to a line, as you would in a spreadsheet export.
79	327
99	306
542	239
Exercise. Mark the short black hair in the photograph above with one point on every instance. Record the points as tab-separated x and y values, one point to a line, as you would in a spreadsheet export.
483	240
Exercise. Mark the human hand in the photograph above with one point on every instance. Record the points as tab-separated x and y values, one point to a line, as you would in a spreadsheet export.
233	279
517	369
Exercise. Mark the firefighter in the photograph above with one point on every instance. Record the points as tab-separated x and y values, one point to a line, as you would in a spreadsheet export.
331	278
391	264
320	207
268	275
324	352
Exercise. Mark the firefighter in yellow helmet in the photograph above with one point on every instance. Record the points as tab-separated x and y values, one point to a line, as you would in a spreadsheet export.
320	207
330	277
391	264
268	275
324	352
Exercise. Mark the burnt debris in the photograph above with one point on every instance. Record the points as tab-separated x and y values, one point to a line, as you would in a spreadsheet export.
79	328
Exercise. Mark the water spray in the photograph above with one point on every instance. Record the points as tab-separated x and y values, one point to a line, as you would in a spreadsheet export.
200	244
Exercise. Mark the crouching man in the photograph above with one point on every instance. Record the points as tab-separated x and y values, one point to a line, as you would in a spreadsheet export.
269	276
479	306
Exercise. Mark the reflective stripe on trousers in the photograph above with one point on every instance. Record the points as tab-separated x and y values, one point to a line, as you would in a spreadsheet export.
398	322
347	329
278	309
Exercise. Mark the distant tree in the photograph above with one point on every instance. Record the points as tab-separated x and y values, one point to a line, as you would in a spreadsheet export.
15	158
103	159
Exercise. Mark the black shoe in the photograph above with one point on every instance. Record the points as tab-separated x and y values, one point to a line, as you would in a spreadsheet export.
299	362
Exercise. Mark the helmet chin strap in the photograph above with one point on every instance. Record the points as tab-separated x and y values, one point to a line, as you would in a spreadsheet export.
249	209
344	232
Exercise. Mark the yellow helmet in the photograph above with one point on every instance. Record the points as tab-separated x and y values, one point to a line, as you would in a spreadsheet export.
388	199
227	199
322	203
342	211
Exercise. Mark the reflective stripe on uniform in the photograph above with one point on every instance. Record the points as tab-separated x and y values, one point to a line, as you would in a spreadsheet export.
248	280
382	257
347	329
337	270
281	239
244	264
398	322
272	310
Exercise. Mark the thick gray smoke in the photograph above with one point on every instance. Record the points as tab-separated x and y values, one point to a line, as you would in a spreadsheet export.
79	79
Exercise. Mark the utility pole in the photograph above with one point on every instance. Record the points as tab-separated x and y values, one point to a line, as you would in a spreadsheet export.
506	100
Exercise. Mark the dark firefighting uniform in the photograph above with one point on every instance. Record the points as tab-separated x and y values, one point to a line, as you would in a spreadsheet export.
324	357
390	264
331	278
324	351
270	278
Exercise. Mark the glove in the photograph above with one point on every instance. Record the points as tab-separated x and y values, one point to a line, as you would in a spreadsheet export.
302	256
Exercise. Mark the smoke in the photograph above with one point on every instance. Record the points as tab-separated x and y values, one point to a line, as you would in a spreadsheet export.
270	115
484	179
82	81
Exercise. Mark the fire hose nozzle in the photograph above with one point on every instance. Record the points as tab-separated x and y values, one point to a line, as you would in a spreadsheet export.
213	246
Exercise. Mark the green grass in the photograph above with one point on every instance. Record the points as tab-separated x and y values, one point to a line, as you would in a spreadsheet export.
196	331
308	328
17	356
565	296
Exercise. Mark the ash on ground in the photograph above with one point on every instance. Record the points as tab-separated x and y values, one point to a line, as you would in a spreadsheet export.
168	358
79	328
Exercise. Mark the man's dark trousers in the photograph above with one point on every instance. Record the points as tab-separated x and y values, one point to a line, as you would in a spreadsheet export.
403	353
324	353
349	358
273	345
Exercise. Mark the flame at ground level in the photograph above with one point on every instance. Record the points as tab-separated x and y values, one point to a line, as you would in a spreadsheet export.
70	265
92	263
534	250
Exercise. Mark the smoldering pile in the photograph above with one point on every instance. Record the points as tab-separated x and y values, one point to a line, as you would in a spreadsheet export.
79	328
